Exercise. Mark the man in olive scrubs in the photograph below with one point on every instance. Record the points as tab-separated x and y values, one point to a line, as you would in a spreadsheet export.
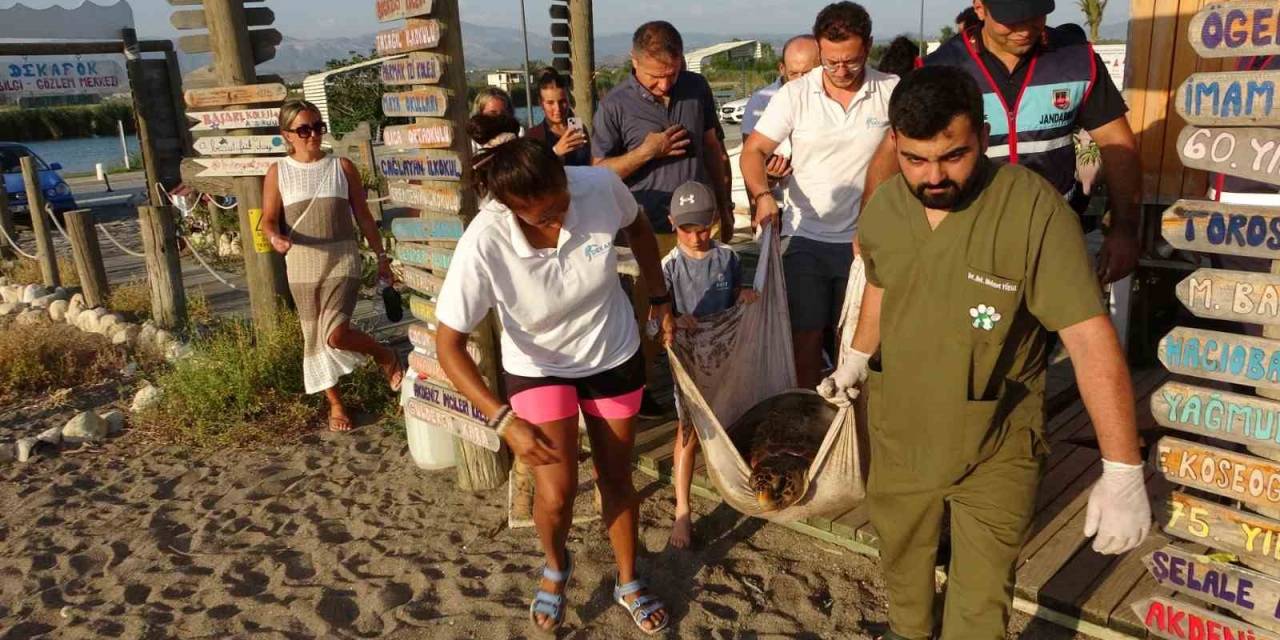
969	266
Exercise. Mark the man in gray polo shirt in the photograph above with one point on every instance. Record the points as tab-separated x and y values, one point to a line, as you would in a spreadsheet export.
657	131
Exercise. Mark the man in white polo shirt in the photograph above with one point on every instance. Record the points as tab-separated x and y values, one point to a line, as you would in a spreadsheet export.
835	117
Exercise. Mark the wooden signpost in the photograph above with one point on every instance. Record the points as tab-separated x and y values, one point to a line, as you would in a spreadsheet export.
396	9
239	145
234	167
443	197
422	309
1234	588
1235	29
428	367
426	256
423	339
421	103
416	35
1222	356
421	281
427	229
240	119
427	133
477	434
1253	538
1252	153
1178	620
417	69
1232	417
1218	227
421	165
1232	295
245	94
1251	480
449	401
1231	99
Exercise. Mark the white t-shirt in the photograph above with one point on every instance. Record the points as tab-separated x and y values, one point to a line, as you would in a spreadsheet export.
830	150
756	105
563	311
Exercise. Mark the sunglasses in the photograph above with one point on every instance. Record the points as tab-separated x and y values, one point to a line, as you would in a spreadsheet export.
307	130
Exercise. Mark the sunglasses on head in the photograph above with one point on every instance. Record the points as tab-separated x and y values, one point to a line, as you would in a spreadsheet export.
307	130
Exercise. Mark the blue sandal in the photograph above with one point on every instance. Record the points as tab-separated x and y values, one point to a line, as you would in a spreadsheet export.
643	607
552	604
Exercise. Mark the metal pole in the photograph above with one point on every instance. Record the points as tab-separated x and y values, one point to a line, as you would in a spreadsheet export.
924	44
528	90
124	144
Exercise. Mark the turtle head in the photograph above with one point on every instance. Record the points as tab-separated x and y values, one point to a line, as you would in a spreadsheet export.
779	481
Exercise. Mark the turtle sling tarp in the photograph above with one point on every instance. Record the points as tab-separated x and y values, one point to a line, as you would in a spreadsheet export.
736	359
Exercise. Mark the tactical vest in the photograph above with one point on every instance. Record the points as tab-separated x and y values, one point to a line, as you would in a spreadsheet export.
1037	130
1236	190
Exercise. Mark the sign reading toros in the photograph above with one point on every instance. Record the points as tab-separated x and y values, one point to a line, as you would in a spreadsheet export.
1248	535
415	36
1245	478
1249	152
1239	28
20	78
418	68
1221	356
1227	416
1218	227
1177	620
1232	295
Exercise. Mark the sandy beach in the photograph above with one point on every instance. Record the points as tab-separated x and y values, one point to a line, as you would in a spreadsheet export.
340	536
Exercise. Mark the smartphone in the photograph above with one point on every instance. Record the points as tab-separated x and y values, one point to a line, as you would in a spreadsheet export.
575	123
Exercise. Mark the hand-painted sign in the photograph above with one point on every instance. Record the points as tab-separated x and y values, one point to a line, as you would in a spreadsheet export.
1250	152
1246	478
422	309
427	164
1232	295
1218	227
1248	535
223	96
426	229
437	196
1221	356
1234	588
1210	412
1176	620
421	255
423	339
428	102
240	145
423	282
451	401
429	368
234	167
476	434
1229	99
432	134
21	78
418	68
1231	29
242	119
389	10
415	36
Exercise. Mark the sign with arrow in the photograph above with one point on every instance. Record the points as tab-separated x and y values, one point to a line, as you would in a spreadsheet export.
245	94
234	167
422	103
389	10
415	36
1226	357
438	196
431	133
1218	227
243	119
1249	152
421	165
1232	295
417	68
1232	99
240	145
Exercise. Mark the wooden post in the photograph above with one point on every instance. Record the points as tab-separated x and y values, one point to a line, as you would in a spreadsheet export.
40	224
6	225
233	64
164	270
582	51
83	235
141	116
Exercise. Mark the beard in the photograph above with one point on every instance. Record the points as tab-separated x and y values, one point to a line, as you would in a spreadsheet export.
945	195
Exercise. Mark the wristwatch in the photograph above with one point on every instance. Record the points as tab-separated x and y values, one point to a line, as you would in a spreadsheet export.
658	300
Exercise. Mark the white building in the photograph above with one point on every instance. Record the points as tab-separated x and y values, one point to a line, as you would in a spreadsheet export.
506	79
737	50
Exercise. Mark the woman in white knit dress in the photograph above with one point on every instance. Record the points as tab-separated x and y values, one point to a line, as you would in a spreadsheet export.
322	199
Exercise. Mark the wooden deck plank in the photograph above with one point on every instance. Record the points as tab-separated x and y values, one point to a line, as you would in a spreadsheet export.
1048	522
1119	580
1060	543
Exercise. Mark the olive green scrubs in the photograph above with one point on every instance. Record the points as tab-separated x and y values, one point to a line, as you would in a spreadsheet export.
957	405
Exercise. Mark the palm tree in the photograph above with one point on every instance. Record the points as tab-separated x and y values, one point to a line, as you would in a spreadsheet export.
1093	10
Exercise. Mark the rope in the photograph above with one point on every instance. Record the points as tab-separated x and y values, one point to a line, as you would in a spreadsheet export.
52	216
210	199
190	244
113	240
15	245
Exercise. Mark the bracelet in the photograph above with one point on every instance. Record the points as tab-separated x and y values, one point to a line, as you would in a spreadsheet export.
507	418
498	416
757	196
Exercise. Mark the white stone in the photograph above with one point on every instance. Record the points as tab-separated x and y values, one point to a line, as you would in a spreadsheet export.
125	334
11	293
177	351
147	336
58	310
25	446
72	315
114	420
52	435
78	298
108	322
162	340
11	307
31	292
29	317
147	397
61	294
42	302
87	426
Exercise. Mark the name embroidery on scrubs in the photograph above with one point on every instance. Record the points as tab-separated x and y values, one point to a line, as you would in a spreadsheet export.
990	282
984	317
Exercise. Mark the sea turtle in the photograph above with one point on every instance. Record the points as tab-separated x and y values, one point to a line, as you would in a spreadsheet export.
784	433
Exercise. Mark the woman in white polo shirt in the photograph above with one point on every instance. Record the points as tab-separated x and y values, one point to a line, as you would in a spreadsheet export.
540	254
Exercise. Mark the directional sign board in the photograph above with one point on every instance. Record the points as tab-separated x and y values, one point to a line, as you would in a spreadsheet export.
421	281
242	119
427	229
1218	227
416	35
422	309
1221	356
45	76
444	197
1244	591
448	400
1251	152
240	145
1229	99
429	368
1248	535
1232	295
223	96
1235	29
417	68
477	434
233	167
1254	481
389	10
421	165
262	41
1178	620
422	103
1233	417
195	19
423	339
425	256
432	133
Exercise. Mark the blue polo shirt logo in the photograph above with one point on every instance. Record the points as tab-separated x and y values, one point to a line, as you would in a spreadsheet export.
593	250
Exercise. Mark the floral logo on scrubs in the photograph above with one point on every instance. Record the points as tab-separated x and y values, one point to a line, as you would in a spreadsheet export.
984	317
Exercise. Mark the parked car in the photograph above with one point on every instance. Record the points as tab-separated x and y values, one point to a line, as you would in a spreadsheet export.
56	191
732	112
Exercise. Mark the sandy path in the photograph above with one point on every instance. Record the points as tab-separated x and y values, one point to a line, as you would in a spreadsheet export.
341	537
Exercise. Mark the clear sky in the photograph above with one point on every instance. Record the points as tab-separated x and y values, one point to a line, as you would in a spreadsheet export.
330	18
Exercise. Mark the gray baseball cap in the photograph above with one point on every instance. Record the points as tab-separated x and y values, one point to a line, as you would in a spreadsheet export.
693	203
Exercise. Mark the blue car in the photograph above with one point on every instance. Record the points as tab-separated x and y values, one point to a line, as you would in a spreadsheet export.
56	191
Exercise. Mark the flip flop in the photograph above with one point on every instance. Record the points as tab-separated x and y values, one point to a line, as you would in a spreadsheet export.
552	604
643	607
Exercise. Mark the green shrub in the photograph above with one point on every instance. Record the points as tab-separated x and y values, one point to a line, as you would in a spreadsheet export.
52	355
24	271
56	123
133	299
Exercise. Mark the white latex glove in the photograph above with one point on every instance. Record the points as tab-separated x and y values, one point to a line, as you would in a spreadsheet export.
1118	510
841	387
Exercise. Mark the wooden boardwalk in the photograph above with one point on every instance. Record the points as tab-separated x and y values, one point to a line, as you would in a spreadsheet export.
1059	577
